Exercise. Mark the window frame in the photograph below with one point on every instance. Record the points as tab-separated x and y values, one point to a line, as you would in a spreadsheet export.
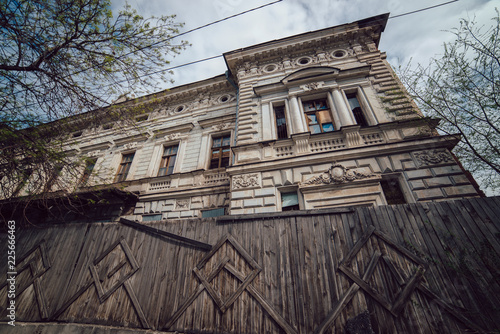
221	136
283	133
120	175
360	116
87	172
288	190
167	158
55	173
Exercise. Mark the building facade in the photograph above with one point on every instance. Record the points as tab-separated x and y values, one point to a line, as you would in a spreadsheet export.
317	120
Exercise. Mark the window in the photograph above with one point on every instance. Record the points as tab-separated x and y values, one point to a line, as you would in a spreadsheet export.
23	178
89	167
221	149
51	180
151	218
168	160
318	116
124	167
279	114
352	98
289	201
392	191
213	213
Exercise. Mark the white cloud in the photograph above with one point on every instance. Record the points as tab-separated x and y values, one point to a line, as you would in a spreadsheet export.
418	36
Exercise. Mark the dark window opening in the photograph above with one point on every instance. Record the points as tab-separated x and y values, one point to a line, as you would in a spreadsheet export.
124	167
279	113
356	109
318	116
141	118
168	160
220	153
392	191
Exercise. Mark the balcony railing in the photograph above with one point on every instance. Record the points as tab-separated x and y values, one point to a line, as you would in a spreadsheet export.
327	142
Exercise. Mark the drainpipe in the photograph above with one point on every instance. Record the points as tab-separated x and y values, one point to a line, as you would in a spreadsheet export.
231	81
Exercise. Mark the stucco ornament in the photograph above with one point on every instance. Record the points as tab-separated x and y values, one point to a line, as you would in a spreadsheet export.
337	174
181	204
221	126
172	136
312	86
93	154
433	157
246	181
130	146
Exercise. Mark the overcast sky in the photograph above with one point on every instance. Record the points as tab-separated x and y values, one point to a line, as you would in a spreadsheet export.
417	36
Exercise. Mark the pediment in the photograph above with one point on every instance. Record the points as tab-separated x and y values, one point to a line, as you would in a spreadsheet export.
311	72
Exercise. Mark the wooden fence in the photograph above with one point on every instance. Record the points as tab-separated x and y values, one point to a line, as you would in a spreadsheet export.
416	268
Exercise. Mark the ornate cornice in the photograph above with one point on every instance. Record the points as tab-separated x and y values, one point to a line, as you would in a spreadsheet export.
355	38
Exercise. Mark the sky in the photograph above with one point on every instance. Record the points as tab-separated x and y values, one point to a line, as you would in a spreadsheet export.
416	37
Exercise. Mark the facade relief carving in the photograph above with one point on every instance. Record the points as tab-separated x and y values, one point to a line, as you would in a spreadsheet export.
93	154
182	204
130	146
313	86
172	136
433	157
337	174
222	126
246	181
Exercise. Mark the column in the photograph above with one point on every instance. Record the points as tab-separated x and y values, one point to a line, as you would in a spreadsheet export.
297	123
268	131
340	105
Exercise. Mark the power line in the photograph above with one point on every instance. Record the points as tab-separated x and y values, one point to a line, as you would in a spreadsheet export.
214	57
227	18
423	9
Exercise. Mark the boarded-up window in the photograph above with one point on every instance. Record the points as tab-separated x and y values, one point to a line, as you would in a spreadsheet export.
318	116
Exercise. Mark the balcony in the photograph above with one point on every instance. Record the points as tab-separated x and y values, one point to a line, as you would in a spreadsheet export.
187	180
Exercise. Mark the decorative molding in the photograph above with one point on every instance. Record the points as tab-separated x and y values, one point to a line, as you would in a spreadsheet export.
224	121
313	86
182	204
172	136
130	146
246	181
433	157
337	174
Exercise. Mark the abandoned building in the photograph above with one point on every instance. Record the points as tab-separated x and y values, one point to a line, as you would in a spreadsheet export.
298	186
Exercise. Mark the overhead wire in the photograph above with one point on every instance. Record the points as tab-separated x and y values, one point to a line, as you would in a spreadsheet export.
219	56
225	19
